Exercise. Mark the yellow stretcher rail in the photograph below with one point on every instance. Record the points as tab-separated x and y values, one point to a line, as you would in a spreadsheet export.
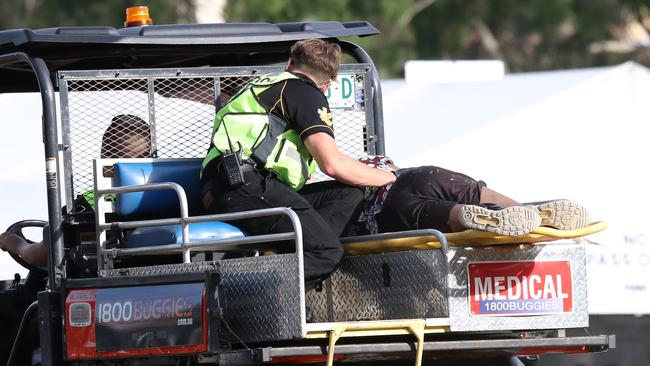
467	238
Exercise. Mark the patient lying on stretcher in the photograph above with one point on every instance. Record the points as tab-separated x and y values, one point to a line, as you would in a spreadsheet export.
429	197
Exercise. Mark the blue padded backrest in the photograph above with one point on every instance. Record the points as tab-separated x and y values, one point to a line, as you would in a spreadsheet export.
172	234
159	203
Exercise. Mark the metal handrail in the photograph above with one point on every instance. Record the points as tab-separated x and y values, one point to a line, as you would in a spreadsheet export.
185	247
184	220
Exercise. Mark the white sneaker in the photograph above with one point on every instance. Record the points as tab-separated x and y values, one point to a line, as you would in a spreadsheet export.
563	214
510	221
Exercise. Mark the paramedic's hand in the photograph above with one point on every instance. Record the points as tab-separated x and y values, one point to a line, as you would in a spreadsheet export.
34	254
399	172
341	167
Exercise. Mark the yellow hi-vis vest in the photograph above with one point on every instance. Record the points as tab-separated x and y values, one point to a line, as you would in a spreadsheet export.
262	137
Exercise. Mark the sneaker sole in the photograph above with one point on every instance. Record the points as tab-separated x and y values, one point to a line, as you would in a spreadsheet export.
511	221
563	215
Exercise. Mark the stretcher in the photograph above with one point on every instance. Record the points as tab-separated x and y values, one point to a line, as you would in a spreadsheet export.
421	240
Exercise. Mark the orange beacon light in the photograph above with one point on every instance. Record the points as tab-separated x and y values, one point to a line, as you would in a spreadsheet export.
137	15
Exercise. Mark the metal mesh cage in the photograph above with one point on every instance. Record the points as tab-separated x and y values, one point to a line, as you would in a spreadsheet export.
169	113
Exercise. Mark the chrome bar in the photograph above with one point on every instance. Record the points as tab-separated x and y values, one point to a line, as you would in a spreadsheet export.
295	220
180	192
186	246
212	245
233	216
219	245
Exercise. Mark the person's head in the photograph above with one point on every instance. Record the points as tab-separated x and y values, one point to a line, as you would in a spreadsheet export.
127	136
318	59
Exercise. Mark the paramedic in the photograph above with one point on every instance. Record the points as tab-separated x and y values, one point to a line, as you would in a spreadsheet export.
287	118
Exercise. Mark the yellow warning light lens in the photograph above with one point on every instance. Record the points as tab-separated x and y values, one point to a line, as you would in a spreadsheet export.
137	15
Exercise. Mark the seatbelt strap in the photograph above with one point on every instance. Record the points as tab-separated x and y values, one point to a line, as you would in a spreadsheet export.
277	126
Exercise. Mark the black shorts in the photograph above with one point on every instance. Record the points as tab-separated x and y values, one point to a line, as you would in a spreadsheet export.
423	197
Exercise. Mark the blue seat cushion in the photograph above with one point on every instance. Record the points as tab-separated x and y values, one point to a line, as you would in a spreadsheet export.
172	234
158	203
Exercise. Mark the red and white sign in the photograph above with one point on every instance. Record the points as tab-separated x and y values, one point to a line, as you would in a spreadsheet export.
520	288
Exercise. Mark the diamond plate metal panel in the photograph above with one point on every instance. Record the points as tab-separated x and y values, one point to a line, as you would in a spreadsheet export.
401	285
319	302
259	295
260	298
459	314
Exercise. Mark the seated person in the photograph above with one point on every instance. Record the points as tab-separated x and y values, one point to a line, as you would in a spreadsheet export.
127	136
429	197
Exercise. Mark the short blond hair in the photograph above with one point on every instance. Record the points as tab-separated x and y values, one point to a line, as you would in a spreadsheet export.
318	56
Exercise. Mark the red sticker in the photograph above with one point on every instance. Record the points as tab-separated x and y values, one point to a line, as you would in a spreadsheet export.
520	288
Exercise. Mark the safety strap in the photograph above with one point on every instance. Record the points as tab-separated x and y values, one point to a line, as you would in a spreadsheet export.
277	126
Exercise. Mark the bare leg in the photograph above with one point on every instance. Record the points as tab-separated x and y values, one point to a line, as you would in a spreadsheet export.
487	196
454	220
490	196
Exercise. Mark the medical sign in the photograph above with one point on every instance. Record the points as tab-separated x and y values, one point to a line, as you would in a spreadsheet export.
520	288
342	92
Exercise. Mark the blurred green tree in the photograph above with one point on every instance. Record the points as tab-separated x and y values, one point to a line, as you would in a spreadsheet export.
527	34
389	51
56	13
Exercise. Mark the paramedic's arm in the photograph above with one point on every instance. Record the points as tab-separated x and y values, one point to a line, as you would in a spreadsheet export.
341	167
34	253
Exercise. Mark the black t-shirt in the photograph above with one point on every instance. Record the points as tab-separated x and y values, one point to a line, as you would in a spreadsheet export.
298	102
301	104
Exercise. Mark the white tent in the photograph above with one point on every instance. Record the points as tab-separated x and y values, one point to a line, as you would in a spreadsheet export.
22	182
578	134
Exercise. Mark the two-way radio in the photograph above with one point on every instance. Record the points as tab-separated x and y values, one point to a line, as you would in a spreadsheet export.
231	163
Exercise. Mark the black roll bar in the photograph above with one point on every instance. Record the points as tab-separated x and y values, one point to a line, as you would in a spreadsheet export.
50	141
361	56
54	239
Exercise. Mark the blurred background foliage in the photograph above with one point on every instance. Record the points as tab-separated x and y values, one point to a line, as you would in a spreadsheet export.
528	35
59	13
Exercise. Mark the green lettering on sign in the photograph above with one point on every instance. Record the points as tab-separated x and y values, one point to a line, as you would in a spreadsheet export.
346	88
341	93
